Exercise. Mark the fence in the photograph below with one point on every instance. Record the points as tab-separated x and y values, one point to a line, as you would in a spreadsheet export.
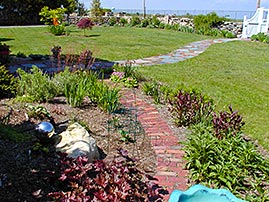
238	15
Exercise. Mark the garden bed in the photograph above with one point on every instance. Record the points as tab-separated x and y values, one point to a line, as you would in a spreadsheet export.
24	168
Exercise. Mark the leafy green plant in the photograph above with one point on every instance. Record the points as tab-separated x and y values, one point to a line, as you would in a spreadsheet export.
57	30
107	99
207	22
125	137
38	147
35	86
112	21
130	82
117	76
152	89
261	37
231	162
190	108
37	111
77	87
8	83
128	68
50	16
145	22
123	21
155	22
186	29
135	21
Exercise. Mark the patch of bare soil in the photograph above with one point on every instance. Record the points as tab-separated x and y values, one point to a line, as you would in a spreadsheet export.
24	168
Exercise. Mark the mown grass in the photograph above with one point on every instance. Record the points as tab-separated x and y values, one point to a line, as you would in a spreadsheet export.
108	43
234	73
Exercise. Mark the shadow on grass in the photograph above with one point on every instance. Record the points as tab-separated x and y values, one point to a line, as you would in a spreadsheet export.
5	39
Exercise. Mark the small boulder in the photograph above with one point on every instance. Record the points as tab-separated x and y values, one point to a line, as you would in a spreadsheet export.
76	141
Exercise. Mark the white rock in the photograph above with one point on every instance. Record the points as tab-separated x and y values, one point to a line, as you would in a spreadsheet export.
76	141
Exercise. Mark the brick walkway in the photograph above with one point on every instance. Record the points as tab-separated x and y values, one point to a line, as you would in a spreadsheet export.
170	164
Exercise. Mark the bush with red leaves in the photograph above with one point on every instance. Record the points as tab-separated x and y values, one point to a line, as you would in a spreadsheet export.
118	180
85	23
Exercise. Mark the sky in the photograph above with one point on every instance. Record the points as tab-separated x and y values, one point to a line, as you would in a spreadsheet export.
234	5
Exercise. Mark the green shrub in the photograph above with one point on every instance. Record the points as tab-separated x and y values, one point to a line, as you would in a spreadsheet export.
152	89
145	22
261	37
228	34
135	21
186	29
123	22
78	86
232	163
128	68
61	78
8	83
161	25
112	21
57	30
207	22
106	99
155	22
126	74
175	27
130	82
74	93
35	86
168	27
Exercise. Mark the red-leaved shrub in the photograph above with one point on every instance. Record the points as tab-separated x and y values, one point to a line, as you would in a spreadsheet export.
118	180
85	23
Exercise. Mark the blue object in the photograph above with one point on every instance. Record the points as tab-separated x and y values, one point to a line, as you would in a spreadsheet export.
200	193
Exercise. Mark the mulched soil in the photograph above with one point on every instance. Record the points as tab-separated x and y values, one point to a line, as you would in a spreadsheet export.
23	171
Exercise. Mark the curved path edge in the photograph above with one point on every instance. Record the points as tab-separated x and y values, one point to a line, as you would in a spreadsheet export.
186	52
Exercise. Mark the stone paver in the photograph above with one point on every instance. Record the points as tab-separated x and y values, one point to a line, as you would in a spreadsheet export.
189	51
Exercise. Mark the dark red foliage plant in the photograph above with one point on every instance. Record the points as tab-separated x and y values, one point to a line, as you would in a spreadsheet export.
85	23
118	180
190	107
227	123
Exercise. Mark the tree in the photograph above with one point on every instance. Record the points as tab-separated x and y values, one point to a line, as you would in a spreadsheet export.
96	11
18	12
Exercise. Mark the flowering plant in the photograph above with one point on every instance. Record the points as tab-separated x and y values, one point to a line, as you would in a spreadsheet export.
117	76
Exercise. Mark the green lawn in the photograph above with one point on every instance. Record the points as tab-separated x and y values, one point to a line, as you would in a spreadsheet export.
234	73
109	43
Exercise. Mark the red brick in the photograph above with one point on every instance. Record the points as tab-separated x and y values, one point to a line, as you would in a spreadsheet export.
161	178
167	173
160	151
